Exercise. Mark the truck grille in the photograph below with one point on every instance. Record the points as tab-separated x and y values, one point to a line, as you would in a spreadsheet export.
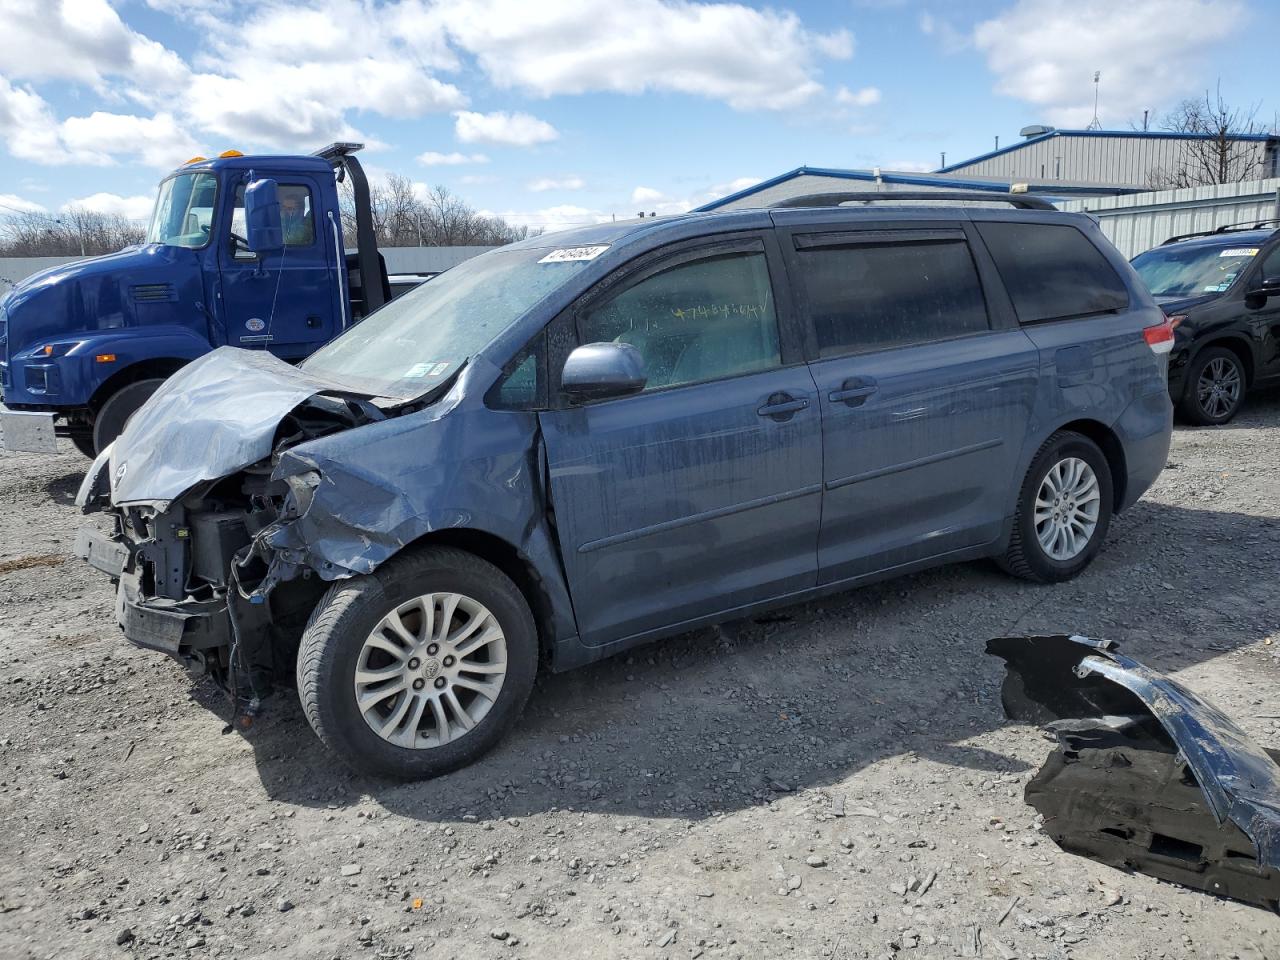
152	293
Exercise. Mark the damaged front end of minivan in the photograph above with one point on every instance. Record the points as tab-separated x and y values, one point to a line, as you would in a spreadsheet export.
228	522
1147	776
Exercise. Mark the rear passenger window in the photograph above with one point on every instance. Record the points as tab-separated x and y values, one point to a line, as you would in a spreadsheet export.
1053	271
697	321
871	296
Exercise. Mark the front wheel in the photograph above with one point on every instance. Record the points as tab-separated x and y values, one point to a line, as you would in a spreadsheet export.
420	667
115	413
1215	387
1064	510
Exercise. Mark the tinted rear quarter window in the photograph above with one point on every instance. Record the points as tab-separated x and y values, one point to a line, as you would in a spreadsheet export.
1053	271
872	296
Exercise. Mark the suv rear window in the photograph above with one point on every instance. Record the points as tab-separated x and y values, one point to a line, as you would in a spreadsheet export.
1053	271
872	296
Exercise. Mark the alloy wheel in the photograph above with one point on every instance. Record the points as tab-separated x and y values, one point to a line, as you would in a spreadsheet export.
1067	506
1218	389
430	670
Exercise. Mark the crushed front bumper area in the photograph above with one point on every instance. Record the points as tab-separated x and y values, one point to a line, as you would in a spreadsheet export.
1147	776
184	629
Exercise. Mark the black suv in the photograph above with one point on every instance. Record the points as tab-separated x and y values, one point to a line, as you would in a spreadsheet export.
1222	290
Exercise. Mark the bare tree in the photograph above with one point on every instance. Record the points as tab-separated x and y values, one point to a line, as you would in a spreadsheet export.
1217	154
401	217
74	232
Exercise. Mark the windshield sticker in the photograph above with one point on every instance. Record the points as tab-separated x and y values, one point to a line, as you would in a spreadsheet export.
1239	252
432	368
573	254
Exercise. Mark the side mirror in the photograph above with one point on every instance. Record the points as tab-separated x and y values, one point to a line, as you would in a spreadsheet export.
597	371
1270	287
262	230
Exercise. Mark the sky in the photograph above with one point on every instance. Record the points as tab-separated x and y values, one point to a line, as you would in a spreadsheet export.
553	113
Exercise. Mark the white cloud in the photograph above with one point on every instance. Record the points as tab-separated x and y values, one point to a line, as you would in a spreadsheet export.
433	159
12	203
1045	53
750	59
909	166
513	129
32	132
646	195
157	141
553	183
551	219
864	97
131	208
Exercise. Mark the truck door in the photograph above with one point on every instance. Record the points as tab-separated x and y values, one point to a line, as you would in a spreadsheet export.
283	301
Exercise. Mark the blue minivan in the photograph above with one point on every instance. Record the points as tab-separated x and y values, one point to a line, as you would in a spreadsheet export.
590	440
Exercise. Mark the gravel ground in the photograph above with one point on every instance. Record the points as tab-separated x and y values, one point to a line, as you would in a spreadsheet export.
834	780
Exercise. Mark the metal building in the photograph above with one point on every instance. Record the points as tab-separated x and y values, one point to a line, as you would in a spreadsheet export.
1127	158
1141	221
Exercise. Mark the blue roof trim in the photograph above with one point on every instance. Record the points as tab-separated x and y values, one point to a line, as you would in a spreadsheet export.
910	180
1105	134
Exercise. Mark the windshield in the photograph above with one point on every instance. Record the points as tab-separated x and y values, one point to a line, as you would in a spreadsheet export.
418	340
1175	271
183	214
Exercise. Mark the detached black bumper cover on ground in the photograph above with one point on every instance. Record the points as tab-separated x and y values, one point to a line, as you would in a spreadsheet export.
1146	776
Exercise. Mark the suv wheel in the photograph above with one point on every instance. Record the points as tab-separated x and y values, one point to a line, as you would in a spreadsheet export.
1215	387
420	667
1064	509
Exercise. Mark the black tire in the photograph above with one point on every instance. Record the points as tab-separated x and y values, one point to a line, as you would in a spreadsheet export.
1214	407
84	445
120	406
348	613
1025	556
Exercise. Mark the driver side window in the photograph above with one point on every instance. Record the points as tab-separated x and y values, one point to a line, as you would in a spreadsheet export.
697	321
297	217
1271	266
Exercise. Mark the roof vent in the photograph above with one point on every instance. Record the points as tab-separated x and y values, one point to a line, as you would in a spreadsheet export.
1035	130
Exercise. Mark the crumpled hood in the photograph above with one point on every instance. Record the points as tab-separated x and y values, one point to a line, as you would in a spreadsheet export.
215	416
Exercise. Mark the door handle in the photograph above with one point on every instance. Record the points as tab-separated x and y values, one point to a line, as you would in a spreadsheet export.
853	392
313	322
782	406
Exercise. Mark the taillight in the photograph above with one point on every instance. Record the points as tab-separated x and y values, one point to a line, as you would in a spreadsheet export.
1159	337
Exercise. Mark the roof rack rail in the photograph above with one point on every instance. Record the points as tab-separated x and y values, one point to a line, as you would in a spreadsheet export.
1225	228
1024	201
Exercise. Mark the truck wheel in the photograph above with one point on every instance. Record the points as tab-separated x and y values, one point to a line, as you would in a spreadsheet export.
1064	509
420	667
84	445
120	406
1215	388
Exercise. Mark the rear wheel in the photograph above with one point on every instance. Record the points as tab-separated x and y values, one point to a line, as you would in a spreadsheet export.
420	667
1215	387
1064	510
115	413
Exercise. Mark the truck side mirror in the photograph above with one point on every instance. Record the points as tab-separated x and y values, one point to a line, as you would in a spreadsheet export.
263	232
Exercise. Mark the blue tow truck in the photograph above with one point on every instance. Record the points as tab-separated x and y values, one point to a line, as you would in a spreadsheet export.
83	345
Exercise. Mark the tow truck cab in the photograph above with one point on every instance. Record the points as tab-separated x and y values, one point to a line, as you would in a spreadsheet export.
84	344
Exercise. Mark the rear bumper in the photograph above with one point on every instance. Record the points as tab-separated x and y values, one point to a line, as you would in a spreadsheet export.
1145	430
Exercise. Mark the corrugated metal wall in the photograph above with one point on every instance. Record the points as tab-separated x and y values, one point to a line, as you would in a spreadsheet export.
1098	159
1143	220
